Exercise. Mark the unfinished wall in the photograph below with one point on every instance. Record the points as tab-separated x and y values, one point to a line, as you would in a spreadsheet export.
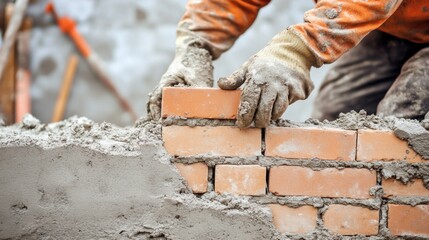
197	176
351	177
135	40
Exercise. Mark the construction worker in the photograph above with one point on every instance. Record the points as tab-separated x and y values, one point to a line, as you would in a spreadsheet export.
382	49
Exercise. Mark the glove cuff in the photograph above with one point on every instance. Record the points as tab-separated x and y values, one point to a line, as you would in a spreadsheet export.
288	48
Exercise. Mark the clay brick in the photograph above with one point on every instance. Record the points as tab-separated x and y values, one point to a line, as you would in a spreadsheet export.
351	220
196	176
392	187
406	220
200	103
294	220
375	145
213	141
240	179
308	143
329	182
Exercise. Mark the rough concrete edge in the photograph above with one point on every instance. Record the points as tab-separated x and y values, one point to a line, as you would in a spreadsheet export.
28	134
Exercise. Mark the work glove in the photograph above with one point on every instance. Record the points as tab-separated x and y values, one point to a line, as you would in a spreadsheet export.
275	77
192	67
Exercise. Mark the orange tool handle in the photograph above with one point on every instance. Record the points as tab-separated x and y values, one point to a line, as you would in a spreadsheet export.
63	95
80	42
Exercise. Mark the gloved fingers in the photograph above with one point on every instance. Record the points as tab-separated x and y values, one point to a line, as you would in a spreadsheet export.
281	103
248	104
153	105
265	106
235	80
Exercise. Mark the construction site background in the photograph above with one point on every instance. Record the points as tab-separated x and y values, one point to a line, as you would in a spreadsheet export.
135	40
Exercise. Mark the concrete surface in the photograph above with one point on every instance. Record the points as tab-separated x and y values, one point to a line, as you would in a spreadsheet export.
135	39
81	180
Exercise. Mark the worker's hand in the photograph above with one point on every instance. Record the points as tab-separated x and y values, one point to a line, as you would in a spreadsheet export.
192	66
272	79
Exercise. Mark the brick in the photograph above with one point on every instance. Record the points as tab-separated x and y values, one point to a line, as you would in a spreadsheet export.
375	145
308	143
240	179
200	103
392	187
329	182
196	176
351	220
299	220
212	141
406	220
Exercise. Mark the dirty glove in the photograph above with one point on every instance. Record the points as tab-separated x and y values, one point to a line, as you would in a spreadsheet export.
192	66
272	79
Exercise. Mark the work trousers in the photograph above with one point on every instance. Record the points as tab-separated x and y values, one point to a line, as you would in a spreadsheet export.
382	75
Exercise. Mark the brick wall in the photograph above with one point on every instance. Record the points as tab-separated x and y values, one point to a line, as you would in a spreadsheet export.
313	178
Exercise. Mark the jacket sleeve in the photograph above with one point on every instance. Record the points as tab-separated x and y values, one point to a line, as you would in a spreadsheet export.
333	27
216	24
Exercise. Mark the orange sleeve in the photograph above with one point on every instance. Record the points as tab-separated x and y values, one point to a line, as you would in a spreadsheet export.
333	27
218	23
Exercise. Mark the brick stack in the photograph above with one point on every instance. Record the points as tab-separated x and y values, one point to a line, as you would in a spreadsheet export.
313	178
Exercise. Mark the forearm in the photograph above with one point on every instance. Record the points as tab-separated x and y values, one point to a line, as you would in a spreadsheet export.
333	27
216	24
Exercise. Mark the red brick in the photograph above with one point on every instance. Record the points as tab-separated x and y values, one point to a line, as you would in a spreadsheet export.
212	141
392	187
406	220
294	220
200	103
196	176
374	145
240	179
308	143
351	220
329	182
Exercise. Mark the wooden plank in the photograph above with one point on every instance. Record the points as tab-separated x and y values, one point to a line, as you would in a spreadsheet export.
23	75
63	95
7	81
14	17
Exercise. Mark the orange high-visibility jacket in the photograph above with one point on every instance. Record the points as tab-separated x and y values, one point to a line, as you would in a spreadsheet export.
330	29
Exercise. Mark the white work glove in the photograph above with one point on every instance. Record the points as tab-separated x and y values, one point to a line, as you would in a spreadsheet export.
192	66
275	77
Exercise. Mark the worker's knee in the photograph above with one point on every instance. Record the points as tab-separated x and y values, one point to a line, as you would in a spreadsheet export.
408	97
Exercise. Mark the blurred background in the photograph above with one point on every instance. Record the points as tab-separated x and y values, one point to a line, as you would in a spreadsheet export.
135	42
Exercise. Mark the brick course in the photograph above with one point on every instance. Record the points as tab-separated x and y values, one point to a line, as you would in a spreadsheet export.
375	145
408	220
308	143
330	182
212	141
392	187
351	220
294	220
208	103
196	176
240	179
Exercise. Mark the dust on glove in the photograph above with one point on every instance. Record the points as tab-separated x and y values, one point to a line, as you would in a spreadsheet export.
272	79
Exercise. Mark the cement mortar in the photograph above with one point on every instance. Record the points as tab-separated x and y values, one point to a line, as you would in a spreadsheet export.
77	179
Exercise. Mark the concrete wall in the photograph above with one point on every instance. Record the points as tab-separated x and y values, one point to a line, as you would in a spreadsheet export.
81	180
135	39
